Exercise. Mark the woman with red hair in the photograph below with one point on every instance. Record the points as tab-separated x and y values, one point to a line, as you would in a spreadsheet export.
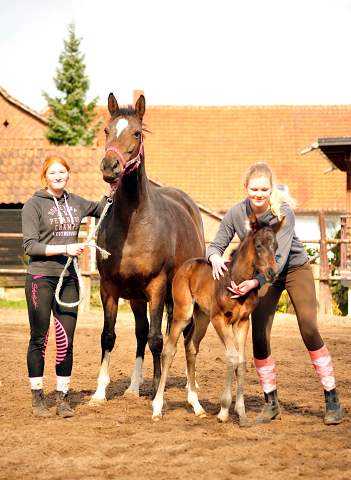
50	221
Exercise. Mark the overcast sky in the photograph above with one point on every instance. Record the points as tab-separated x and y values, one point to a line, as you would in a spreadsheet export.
186	52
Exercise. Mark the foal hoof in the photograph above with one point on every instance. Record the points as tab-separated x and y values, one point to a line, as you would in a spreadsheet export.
97	402
131	394
244	423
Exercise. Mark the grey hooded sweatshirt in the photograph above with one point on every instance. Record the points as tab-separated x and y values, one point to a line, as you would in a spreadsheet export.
49	220
290	253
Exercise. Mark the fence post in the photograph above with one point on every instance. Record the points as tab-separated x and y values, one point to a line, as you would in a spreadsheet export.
325	298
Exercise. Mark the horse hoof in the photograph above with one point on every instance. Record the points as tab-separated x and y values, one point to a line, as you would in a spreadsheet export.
222	419
131	394
97	402
157	418
244	423
201	415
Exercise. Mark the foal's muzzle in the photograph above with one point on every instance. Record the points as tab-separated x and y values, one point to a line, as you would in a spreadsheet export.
270	275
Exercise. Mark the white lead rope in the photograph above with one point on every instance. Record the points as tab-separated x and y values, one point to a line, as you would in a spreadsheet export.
87	243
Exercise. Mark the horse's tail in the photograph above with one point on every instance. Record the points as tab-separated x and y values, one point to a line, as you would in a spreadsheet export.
169	304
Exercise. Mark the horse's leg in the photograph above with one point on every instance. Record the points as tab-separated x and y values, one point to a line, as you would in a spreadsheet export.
108	338
240	330
199	327
141	331
157	290
182	318
226	336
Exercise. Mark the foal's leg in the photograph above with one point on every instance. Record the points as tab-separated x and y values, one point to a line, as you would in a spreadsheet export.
108	338
240	330
141	332
231	359
181	319
192	342
157	293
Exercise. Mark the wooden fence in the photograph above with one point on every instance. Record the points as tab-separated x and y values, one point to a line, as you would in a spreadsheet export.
321	274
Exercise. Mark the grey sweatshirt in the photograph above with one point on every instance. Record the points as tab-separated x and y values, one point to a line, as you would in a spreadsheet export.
45	224
290	253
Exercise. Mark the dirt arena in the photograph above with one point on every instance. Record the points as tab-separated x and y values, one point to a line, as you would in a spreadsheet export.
119	440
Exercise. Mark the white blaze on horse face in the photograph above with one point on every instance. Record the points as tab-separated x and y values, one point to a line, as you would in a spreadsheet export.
120	126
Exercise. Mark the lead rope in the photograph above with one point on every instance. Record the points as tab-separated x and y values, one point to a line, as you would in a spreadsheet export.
87	243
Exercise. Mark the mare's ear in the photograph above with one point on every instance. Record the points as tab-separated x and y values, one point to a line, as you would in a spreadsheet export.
278	225
140	107
254	223
112	104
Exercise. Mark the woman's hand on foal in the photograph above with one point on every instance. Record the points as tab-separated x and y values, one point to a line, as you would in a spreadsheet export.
75	249
243	288
218	265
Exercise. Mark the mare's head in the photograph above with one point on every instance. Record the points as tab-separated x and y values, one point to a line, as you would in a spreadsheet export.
123	139
263	246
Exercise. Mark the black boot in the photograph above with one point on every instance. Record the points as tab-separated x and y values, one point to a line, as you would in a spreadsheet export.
334	413
39	407
62	406
270	410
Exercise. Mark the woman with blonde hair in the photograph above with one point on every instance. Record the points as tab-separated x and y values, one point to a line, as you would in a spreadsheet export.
50	222
295	275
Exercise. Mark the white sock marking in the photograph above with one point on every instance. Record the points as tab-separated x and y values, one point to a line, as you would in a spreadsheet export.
104	377
137	377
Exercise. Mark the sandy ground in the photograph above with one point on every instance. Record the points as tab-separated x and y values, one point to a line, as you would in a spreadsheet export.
119	440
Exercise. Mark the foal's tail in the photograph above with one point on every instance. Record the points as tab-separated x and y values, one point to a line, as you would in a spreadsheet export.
169	304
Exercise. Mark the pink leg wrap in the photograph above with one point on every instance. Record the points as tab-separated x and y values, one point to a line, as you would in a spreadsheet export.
266	373
323	365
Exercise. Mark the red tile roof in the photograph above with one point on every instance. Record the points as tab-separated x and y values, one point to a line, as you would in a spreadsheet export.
19	121
20	170
205	150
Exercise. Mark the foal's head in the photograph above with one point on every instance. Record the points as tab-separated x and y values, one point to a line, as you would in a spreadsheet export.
263	247
123	138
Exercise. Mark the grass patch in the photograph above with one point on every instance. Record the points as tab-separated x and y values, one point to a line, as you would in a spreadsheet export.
19	304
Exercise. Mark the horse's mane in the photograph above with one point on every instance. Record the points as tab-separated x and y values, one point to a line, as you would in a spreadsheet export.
128	111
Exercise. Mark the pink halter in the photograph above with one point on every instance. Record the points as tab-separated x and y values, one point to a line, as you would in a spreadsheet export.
135	160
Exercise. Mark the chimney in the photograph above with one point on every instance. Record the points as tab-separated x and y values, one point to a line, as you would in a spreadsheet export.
136	95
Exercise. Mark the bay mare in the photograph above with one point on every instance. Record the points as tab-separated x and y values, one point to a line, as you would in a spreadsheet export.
150	232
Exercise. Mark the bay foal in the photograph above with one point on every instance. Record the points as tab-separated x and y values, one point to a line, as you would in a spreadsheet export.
197	294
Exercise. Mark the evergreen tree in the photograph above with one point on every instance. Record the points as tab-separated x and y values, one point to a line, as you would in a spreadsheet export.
71	119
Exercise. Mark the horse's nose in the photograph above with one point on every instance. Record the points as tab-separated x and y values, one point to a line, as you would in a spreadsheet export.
108	164
270	275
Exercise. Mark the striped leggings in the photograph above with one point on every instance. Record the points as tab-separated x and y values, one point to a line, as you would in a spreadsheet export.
40	295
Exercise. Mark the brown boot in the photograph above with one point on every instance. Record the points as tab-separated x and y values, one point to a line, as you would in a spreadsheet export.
62	406
39	407
334	413
270	410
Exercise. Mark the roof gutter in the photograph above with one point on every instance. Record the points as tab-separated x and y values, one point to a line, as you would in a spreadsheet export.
316	146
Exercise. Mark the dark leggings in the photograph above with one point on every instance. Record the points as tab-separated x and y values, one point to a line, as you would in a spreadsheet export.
40	295
299	284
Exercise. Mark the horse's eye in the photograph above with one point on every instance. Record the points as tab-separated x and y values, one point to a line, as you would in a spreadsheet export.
258	245
136	134
106	131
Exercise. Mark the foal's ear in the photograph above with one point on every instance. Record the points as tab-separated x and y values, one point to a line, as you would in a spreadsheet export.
254	223
140	107
112	104
278	225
